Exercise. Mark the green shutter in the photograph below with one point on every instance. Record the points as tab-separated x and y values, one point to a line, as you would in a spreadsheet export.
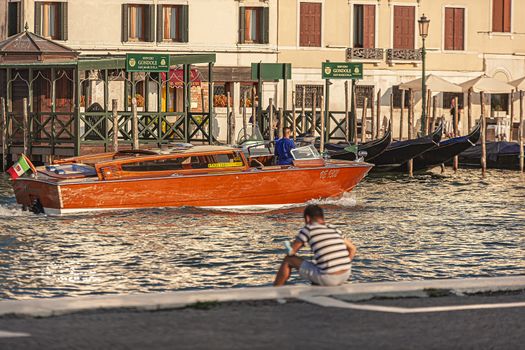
38	18
63	20
151	24
184	23
265	26
160	23
242	24
125	22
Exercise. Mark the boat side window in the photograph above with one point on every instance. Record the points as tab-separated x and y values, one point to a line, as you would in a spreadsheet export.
159	164
212	161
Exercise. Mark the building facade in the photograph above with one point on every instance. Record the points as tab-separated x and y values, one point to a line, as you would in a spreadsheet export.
466	38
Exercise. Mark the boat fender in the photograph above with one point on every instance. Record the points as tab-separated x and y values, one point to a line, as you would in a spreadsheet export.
60	171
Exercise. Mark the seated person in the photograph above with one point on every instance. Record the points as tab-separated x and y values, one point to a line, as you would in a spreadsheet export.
283	148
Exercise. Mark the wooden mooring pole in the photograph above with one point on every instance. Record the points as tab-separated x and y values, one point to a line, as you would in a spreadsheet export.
303	111
229	132
402	114
244	117
347	113
410	130
469	110
114	110
323	131
429	108
4	134
378	114
392	111
456	132
294	120
314	113
363	120
354	113
271	134
511	101
521	132
434	113
281	123
483	136
25	124
134	123
372	116
254	111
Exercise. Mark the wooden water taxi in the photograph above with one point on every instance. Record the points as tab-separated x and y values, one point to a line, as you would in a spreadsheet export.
199	176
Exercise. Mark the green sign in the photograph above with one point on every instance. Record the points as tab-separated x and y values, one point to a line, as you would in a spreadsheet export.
342	70
271	71
147	62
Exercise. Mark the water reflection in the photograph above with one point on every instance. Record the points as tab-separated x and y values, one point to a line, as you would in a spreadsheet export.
431	226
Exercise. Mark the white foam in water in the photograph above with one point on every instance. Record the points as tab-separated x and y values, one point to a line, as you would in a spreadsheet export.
346	200
12	210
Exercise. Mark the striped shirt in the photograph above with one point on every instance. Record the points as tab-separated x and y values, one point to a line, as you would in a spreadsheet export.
328	247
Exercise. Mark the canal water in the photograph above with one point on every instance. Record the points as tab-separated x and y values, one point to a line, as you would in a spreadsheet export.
431	226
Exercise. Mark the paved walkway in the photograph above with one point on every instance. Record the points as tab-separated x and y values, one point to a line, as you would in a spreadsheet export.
440	314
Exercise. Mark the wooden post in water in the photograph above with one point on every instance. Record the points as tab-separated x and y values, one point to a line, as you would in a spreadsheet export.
347	114
25	124
511	97
483	136
314	113
354	113
254	111
469	111
303	111
294	120
401	116
378	114
411	130
114	110
228	120
281	123
434	113
4	134
271	134
134	123
363	120
372	117
521	136
323	131
429	108
456	131
244	116
391	111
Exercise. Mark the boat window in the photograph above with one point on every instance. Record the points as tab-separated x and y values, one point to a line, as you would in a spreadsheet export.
213	161
307	152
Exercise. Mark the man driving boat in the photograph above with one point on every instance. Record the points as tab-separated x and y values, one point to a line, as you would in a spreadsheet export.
284	147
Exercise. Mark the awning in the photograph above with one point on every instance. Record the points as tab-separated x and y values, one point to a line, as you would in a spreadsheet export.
487	85
434	84
519	84
176	78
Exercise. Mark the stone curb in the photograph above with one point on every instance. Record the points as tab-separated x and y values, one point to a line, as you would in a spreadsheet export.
172	300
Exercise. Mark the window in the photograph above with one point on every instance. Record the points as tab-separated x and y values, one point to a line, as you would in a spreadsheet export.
362	91
310	24
51	20
138	22
501	15
364	26
397	92
404	26
454	29
499	103
448	97
215	161
220	94
248	89
172	23
14	25
308	95
254	25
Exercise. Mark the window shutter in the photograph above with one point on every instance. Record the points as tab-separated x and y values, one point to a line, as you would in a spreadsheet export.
459	29
150	35
369	26
317	7
184	23
38	18
265	26
125	21
160	23
497	15
449	29
242	24
507	15
63	20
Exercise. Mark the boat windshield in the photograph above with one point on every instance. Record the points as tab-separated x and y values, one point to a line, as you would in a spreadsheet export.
252	135
305	153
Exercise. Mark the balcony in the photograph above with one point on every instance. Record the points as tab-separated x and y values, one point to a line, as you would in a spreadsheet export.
364	54
403	56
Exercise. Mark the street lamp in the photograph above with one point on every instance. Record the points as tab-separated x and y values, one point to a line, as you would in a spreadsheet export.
423	33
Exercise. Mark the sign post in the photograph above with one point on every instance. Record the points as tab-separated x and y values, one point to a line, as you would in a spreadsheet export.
340	70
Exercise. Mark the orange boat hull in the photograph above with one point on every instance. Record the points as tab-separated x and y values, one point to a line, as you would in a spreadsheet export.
239	189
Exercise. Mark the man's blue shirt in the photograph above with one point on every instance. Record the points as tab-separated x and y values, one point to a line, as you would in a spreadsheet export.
283	148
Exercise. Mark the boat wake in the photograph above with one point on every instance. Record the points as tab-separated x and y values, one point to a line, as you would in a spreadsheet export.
12	210
346	200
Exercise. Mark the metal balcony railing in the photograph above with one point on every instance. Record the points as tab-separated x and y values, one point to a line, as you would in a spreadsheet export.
403	55
364	54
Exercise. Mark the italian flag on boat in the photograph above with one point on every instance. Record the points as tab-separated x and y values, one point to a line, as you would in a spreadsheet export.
19	168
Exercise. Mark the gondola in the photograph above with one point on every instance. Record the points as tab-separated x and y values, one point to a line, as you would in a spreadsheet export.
445	151
372	148
500	155
400	152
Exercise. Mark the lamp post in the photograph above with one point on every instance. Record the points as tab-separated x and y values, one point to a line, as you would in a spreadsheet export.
423	33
